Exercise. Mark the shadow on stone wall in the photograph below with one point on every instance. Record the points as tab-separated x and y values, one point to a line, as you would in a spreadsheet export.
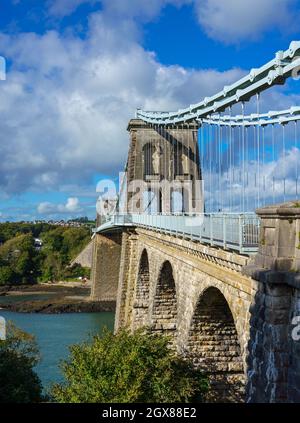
213	346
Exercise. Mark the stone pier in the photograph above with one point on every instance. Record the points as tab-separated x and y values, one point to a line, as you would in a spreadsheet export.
274	356
106	266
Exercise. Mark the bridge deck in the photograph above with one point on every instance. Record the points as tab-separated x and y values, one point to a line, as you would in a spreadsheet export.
230	231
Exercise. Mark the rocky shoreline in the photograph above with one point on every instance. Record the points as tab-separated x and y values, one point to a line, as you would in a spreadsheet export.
61	298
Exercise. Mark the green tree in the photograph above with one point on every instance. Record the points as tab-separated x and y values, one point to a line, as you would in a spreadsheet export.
53	239
7	275
18	355
128	368
20	260
75	239
52	266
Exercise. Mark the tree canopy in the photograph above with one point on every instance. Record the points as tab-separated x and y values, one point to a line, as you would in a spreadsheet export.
18	260
18	355
21	262
128	368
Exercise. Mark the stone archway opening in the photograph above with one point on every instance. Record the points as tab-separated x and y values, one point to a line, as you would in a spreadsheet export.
164	316
141	303
214	347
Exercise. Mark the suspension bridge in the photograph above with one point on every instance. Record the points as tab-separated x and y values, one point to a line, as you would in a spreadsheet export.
204	234
246	161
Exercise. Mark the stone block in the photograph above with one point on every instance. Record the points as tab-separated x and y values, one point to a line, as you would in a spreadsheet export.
277	303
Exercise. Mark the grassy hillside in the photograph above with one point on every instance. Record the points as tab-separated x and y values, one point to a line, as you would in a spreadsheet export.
23	262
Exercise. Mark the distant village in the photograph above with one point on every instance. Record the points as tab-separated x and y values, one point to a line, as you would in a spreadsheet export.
65	223
74	223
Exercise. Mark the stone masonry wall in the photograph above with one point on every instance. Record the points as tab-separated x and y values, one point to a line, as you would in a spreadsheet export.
294	362
106	266
142	293
213	346
84	258
274	355
168	140
127	280
164	313
177	274
268	361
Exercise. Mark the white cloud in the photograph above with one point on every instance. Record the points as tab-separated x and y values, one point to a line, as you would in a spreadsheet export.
72	206
61	8
146	10
117	8
67	101
232	21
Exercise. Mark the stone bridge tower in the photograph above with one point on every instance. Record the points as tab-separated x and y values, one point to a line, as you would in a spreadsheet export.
169	154
163	167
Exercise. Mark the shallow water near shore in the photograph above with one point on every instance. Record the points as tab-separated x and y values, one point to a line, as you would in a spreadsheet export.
55	332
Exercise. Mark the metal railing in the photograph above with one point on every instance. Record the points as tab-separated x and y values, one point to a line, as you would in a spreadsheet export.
230	231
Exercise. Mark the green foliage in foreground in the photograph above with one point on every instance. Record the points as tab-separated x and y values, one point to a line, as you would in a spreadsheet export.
18	356
128	368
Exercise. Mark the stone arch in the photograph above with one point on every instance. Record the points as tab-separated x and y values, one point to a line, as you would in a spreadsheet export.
176	200
178	151
142	291
152	201
164	312
213	345
148	150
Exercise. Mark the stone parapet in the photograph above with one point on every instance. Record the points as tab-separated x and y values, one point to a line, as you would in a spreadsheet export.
279	247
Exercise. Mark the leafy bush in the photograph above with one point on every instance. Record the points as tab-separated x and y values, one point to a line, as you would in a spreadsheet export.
128	368
18	356
76	270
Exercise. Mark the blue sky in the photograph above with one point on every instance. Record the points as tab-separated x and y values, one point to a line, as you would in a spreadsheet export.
77	69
